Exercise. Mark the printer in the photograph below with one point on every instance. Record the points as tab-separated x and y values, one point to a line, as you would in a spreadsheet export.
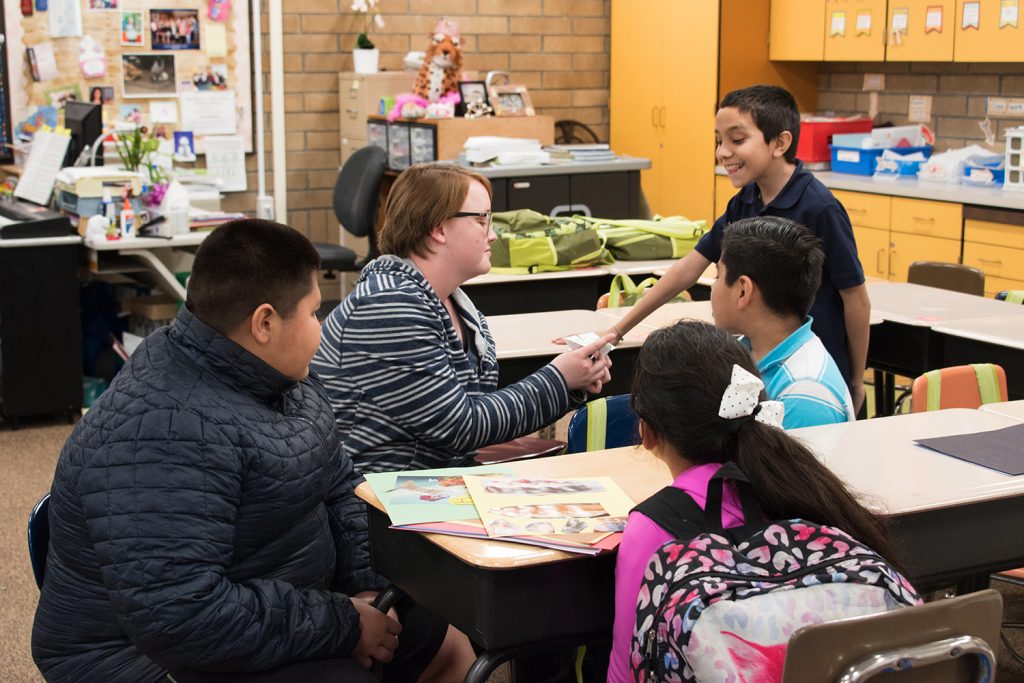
23	220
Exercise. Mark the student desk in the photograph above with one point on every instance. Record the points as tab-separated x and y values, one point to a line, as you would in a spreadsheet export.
663	316
523	343
495	294
905	343
997	340
510	599
1014	409
157	255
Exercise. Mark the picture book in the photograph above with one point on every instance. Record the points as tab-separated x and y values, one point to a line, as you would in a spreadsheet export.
530	507
582	544
419	496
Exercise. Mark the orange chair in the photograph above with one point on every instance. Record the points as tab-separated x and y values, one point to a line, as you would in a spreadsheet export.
961	386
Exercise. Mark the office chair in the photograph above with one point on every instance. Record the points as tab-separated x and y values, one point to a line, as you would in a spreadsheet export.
945	640
960	386
356	200
603	423
1013	296
39	537
951	276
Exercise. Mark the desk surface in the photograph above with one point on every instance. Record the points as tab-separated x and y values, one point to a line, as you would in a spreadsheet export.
707	278
1005	330
1014	409
139	243
655	267
664	316
875	457
526	335
902	302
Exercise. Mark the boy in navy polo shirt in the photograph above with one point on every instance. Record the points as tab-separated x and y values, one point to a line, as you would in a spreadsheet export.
757	129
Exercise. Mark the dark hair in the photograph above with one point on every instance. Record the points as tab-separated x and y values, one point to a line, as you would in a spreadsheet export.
678	382
773	109
783	258
246	263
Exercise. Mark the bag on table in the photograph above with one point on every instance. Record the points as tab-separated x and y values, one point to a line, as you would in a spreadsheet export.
721	604
642	240
529	241
625	292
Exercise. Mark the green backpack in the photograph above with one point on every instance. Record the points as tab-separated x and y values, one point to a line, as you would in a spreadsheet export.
530	242
624	292
642	240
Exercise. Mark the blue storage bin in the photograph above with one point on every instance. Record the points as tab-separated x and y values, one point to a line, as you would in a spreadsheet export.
863	161
984	174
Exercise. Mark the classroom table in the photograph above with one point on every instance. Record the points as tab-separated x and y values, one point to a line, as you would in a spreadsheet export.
662	316
523	343
160	256
1014	409
998	340
513	599
905	343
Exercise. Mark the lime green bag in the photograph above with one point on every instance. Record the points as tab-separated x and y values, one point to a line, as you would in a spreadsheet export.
529	241
641	240
624	292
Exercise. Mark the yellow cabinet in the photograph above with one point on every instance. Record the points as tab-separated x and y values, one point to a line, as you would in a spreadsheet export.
927	218
796	30
904	249
988	31
866	210
855	30
724	191
873	250
661	110
997	249
920	31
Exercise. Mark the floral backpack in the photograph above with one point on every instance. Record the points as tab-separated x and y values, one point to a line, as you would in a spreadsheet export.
721	604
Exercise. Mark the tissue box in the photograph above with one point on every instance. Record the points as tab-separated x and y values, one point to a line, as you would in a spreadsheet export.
984	173
859	161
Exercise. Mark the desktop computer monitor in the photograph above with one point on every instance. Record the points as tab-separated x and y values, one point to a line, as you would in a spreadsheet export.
85	121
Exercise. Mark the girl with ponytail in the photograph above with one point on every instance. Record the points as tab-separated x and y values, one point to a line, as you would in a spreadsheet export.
679	382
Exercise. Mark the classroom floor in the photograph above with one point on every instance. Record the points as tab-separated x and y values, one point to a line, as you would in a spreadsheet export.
27	459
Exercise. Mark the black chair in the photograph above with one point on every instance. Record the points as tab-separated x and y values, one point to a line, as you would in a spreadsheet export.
39	537
573	132
356	200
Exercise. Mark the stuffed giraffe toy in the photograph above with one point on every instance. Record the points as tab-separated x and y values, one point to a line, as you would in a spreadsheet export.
442	64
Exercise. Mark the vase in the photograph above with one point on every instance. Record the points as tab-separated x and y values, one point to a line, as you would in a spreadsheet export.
365	61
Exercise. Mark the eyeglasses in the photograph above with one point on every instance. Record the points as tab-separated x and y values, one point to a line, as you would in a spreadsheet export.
475	214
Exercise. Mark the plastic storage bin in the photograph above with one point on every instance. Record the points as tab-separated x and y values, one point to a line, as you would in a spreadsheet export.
858	161
984	173
816	135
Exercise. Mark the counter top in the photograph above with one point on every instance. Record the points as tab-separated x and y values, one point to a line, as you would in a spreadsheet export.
623	163
39	241
918	189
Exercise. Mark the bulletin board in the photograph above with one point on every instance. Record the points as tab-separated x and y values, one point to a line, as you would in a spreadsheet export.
175	64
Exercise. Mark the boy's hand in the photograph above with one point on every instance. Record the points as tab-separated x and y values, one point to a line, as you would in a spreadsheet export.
378	634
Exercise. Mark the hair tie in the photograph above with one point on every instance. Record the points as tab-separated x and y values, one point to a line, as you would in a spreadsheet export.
740	402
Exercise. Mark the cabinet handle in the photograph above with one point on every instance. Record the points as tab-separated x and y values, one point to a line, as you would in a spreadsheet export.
521	185
988	260
855	209
919	219
878	262
892	258
352	113
662	117
654	116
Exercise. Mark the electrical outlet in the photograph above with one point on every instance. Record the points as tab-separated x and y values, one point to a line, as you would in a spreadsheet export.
265	208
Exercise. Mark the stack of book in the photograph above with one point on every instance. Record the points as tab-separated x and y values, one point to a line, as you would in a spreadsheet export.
582	515
563	154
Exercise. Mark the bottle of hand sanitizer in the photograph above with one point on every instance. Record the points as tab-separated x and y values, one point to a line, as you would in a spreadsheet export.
127	219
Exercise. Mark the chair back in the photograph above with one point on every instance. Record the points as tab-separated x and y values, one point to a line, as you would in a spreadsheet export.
603	423
357	192
39	537
1013	296
960	386
945	640
951	276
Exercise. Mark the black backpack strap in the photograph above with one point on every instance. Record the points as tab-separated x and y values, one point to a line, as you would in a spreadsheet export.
674	511
752	512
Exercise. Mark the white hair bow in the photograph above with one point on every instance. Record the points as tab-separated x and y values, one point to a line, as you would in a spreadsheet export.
741	398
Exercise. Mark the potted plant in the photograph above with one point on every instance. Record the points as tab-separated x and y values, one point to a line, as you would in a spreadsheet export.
366	56
136	149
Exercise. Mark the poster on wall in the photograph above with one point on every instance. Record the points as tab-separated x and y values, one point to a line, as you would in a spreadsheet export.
149	75
103	4
174	29
132	34
209	112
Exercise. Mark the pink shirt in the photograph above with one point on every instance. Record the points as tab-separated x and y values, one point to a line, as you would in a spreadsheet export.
640	540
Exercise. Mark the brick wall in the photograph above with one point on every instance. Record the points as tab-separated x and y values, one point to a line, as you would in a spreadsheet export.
558	49
958	95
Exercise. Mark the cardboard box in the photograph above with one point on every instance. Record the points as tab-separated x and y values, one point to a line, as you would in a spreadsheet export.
159	307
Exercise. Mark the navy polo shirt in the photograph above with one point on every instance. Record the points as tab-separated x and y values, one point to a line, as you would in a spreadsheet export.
806	201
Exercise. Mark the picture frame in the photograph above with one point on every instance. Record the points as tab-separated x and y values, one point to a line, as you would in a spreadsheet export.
149	75
470	91
174	29
133	33
510	100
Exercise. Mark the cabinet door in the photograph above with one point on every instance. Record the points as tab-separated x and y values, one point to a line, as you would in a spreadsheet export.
928	27
796	30
866	210
604	195
636	87
854	30
540	193
905	249
985	40
924	217
1000	262
873	250
724	191
687	120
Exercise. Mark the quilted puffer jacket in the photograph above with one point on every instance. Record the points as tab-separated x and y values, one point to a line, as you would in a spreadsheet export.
202	516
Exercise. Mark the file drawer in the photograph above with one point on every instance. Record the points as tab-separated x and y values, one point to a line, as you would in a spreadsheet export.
866	210
923	217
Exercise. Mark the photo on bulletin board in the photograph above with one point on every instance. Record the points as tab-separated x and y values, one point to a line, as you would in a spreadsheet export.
132	113
132	33
174	29
184	146
56	97
103	4
211	77
101	94
149	75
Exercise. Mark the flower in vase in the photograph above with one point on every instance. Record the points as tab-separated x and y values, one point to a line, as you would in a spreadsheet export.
371	17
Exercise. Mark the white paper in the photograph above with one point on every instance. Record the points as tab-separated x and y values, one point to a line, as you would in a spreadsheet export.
900	17
1008	14
838	24
225	159
209	112
45	159
972	12
578	341
163	112
46	61
65	18
933	19
864	22
215	39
